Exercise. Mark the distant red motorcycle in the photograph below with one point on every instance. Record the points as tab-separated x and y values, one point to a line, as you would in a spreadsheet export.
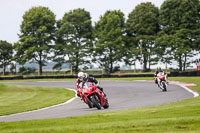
93	96
161	78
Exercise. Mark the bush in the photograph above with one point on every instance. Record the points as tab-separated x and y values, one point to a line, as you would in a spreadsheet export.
116	69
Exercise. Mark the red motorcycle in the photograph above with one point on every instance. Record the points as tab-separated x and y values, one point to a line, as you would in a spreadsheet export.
161	79
93	96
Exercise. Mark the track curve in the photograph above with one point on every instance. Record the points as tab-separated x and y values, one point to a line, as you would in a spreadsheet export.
121	95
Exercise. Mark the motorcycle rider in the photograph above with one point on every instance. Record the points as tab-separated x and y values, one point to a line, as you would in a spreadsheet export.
84	77
158	69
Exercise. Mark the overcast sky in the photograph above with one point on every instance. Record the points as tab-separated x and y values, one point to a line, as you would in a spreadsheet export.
11	11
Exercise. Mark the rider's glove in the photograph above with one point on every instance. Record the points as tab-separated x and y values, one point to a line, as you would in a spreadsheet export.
77	87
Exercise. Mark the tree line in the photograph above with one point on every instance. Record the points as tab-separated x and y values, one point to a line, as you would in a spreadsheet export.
149	35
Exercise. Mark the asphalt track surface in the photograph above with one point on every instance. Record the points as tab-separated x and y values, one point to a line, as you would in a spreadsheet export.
121	95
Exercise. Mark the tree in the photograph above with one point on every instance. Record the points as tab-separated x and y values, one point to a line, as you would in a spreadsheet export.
6	54
164	51
74	39
109	39
37	34
180	25
131	51
142	26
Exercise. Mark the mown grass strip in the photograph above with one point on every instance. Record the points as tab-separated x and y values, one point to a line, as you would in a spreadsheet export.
19	98
182	117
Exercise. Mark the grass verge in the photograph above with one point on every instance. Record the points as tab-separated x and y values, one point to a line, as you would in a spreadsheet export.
18	98
183	116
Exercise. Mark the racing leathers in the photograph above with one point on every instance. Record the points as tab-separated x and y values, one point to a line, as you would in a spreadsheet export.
84	80
155	76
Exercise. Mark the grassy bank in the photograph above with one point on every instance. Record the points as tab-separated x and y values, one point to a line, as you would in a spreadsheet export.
18	98
183	116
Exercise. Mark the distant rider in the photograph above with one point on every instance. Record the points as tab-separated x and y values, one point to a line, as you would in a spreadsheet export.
158	69
84	77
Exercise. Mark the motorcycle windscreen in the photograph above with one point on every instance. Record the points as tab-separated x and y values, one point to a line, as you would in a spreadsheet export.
160	74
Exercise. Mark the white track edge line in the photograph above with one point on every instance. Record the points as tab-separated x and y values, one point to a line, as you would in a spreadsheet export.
189	90
68	101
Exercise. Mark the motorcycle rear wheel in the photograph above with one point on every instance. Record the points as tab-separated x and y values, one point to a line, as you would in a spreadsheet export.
106	104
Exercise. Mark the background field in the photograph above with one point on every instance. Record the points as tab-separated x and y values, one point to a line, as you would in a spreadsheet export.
183	116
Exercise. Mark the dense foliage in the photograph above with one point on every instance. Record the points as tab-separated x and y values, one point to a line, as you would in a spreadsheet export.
6	52
74	39
150	35
180	26
37	33
109	34
142	27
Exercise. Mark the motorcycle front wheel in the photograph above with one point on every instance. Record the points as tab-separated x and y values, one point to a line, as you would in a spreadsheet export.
164	86
96	101
89	103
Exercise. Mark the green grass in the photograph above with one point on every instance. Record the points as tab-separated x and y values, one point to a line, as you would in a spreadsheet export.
181	117
18	98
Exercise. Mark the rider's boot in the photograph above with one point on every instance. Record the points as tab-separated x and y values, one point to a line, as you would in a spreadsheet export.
156	81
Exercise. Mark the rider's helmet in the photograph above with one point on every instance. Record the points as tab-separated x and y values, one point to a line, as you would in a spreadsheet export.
159	69
83	75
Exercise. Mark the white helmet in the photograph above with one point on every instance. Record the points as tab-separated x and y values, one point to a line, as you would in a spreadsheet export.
81	75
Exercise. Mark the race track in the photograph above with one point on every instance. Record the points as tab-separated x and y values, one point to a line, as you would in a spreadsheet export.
121	95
